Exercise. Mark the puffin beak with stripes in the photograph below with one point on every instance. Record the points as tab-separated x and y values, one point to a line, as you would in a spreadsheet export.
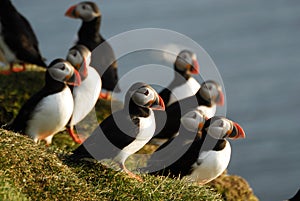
195	67
71	12
73	78
236	132
220	99
158	104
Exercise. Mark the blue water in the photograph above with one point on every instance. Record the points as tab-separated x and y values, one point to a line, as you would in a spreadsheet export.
256	47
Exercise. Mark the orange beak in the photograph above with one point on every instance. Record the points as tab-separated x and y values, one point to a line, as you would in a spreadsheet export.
75	79
158	104
221	100
195	67
71	12
240	131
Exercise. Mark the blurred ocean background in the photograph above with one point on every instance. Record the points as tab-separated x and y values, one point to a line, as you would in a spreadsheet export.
256	47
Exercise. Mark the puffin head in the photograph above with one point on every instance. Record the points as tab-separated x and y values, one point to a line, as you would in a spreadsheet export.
145	96
221	127
186	63
87	11
211	92
80	57
62	71
193	120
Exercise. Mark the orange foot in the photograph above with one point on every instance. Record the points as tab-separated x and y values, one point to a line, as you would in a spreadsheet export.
105	96
131	175
74	136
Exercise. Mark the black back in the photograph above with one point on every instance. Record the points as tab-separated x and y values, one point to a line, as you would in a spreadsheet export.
19	35
113	134
179	79
173	113
104	60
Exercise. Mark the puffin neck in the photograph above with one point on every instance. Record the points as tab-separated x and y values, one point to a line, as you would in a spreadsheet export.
53	85
179	73
90	29
202	101
137	111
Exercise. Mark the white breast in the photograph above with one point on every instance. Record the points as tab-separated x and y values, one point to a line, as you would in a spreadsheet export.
86	95
147	128
208	111
51	115
212	165
183	91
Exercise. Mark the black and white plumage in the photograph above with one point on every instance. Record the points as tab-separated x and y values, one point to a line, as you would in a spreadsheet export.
206	99
18	41
126	131
209	154
183	84
49	110
88	35
86	95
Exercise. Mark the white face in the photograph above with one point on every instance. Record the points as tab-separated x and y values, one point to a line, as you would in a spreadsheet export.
193	120
184	60
144	96
61	71
210	91
86	12
75	58
219	128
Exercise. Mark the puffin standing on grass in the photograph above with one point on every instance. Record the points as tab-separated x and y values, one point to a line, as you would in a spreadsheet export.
206	99
18	42
208	155
89	36
183	84
126	131
49	110
86	95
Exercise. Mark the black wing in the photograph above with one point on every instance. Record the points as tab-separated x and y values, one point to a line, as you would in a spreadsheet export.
20	122
113	134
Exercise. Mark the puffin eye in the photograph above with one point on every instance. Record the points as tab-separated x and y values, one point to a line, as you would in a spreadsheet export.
146	92
194	116
83	7
63	67
74	54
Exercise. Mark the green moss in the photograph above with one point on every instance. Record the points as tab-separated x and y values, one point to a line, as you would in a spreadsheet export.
41	172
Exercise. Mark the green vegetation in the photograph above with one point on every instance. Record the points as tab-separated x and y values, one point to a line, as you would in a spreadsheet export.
31	171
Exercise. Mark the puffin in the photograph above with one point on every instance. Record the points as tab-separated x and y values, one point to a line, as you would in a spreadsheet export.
49	110
18	41
209	154
206	99
175	147
183	84
86	95
125	131
88	35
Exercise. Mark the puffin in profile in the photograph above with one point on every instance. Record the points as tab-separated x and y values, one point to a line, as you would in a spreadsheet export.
86	95
18	42
88	35
206	99
183	84
49	110
125	131
209	154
